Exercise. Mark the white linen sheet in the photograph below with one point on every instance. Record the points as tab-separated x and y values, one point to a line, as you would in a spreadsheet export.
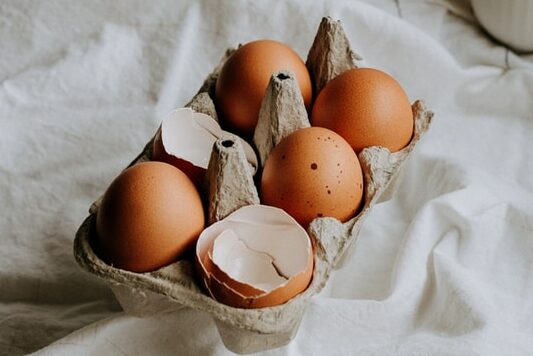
444	267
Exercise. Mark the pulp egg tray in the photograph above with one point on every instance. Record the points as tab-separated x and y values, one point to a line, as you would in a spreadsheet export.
176	285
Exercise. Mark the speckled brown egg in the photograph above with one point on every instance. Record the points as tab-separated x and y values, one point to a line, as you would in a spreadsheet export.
149	216
244	78
367	107
313	173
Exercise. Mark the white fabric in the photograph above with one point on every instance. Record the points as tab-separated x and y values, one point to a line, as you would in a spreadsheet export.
443	268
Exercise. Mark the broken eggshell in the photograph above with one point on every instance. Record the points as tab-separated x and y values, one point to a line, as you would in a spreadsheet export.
258	256
185	139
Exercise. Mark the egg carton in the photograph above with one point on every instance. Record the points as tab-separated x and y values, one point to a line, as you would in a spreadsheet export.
230	186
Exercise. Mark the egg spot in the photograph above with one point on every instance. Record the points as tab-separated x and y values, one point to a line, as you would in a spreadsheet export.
282	156
329	191
320	215
314	166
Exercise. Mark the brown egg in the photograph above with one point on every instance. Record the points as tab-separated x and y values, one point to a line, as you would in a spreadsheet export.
313	173
149	216
367	107
244	78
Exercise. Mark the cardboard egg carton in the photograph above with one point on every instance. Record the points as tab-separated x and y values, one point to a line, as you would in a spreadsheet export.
229	185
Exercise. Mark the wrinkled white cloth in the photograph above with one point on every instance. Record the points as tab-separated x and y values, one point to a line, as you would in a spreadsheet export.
445	267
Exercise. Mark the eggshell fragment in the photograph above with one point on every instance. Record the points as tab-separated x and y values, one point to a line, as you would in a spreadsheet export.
258	256
185	140
253	271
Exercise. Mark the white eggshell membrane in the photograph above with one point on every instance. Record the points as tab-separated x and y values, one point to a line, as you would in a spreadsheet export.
246	265
189	135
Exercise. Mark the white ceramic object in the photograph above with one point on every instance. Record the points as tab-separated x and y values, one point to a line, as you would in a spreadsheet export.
230	185
510	21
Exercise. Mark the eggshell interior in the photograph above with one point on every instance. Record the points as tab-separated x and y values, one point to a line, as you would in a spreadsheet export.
245	264
185	139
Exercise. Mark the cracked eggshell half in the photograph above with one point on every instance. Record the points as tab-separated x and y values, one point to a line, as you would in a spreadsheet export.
185	140
258	256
